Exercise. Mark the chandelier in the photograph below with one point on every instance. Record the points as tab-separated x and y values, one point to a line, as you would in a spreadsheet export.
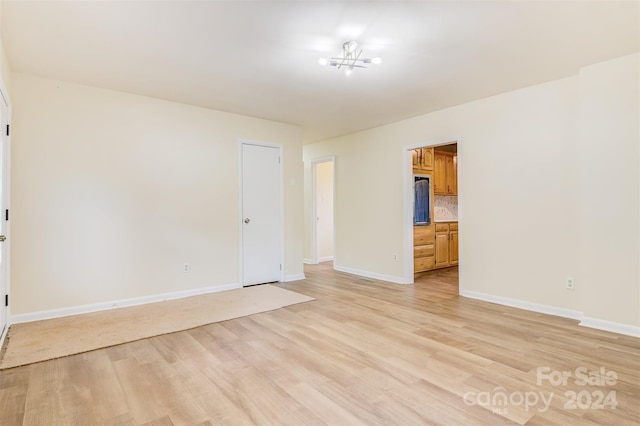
350	59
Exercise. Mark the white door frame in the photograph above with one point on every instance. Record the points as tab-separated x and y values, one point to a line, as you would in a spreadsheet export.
242	142
407	194
314	208
6	183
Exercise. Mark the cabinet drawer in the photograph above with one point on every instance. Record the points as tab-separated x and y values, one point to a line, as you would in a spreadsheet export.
453	226
442	227
423	235
424	250
421	264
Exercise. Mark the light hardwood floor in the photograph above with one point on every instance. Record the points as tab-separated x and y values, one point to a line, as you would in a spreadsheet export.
365	352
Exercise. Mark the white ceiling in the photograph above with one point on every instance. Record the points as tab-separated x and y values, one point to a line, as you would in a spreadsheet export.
259	58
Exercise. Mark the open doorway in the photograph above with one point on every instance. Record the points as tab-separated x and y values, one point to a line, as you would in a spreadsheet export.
322	249
431	215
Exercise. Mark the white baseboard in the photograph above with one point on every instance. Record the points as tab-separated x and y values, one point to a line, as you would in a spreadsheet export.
309	262
325	259
598	324
367	274
522	304
614	327
95	307
294	277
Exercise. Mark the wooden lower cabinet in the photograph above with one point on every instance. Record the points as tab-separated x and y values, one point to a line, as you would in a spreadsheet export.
435	246
446	250
422	264
453	248
442	249
423	248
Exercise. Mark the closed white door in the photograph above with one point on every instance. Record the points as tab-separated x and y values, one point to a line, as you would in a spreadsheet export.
261	214
4	187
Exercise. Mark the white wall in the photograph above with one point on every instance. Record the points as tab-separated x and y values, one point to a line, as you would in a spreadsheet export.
608	183
112	193
5	68
520	192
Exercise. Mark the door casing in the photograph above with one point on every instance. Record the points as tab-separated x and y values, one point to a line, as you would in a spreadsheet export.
5	119
314	208
407	190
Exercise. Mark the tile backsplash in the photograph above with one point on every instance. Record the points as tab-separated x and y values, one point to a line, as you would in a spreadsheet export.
445	208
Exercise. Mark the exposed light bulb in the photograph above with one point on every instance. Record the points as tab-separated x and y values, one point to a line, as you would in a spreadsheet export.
323	61
348	71
350	46
376	61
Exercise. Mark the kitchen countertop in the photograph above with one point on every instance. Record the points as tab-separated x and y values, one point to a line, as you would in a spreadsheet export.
444	220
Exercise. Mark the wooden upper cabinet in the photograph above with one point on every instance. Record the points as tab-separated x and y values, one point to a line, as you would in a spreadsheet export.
422	160
445	173
451	165
426	162
415	159
439	174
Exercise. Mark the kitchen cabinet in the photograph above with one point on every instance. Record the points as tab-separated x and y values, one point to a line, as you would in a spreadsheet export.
422	160
451	171
439	174
446	244
453	244
445	175
423	248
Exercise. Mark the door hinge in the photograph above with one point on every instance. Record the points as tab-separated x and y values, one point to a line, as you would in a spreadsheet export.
8	130
6	300
281	266
6	214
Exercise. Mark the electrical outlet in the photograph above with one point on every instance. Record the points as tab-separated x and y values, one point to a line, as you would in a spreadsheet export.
570	283
395	257
186	267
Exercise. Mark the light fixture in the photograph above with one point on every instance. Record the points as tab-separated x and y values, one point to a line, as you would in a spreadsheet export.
350	58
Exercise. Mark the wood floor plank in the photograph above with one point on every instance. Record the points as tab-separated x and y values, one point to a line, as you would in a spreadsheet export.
364	352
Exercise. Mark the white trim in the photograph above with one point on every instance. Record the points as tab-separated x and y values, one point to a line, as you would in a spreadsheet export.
374	275
4	334
523	304
325	259
309	262
598	324
407	196
95	307
294	277
614	327
280	148
6	194
314	231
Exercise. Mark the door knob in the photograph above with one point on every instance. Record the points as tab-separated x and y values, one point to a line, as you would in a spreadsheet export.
2	238
247	220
